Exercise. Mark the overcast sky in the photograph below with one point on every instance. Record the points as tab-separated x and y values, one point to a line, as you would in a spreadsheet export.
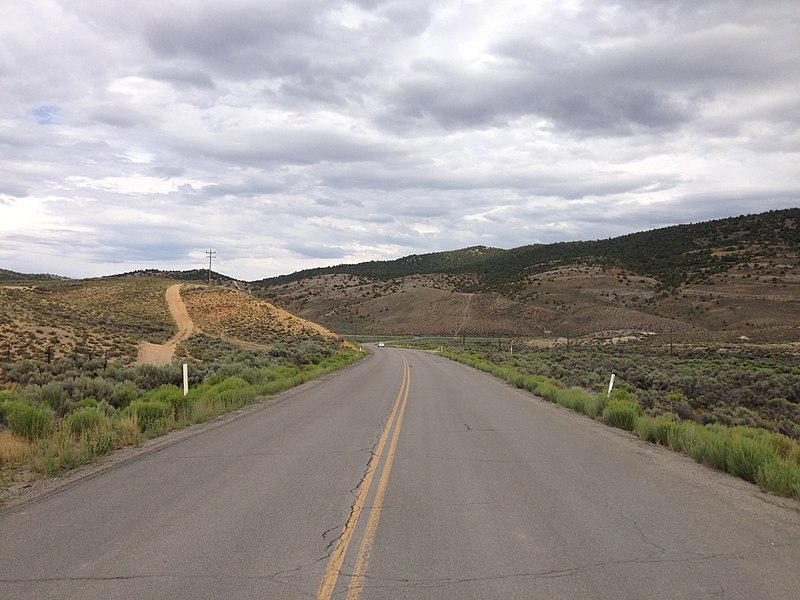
301	133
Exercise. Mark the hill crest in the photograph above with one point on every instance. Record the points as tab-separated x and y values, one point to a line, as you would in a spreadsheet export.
735	274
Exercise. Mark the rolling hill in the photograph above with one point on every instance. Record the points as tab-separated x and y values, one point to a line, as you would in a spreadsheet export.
740	274
46	319
730	277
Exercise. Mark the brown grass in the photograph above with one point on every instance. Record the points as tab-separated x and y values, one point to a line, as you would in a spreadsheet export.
231	314
105	317
579	300
12	449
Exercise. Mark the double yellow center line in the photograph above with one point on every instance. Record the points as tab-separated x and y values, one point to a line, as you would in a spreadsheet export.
337	557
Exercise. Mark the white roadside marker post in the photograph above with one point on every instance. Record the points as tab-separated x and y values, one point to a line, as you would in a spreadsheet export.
185	379
610	385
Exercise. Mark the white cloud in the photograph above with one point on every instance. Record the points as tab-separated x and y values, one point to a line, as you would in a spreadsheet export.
294	134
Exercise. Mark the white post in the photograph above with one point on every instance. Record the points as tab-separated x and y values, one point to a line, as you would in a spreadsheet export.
610	385
185	379
512	349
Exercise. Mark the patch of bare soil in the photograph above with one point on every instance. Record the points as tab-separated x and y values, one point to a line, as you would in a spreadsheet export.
233	315
161	354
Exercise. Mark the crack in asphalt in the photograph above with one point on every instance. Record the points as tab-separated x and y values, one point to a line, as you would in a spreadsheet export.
330	548
274	578
557	573
329	531
641	532
375	582
335	550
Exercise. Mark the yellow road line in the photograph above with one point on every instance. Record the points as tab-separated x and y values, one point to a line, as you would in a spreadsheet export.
328	583
357	582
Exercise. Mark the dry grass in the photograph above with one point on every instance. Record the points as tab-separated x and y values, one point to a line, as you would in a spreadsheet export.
12	449
230	314
579	300
95	317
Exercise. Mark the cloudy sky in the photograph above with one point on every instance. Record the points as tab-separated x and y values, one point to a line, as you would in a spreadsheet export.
301	133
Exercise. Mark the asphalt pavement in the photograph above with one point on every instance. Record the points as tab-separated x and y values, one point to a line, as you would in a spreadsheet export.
405	476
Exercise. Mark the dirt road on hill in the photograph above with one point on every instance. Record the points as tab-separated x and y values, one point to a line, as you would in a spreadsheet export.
161	354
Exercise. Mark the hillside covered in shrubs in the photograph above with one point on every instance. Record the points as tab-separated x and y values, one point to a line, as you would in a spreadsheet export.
740	274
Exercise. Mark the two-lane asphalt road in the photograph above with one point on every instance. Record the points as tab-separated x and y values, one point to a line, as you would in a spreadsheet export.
406	476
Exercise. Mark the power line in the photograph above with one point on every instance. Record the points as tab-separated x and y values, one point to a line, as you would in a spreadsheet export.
210	254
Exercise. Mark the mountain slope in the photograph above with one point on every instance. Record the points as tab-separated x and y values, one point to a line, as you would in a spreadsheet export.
12	276
673	255
109	317
739	273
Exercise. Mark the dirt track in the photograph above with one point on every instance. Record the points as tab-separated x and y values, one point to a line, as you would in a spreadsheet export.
161	354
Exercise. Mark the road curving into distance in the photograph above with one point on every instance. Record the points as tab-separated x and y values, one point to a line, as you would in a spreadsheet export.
405	476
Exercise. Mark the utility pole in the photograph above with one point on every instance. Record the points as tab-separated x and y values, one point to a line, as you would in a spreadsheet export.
210	254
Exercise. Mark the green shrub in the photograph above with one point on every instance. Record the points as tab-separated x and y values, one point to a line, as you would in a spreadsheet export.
101	443
273	387
123	394
86	419
251	376
780	477
681	437
149	377
7	397
95	387
783	446
53	395
231	383
621	414
746	456
654	429
623	395
4	407
151	415
89	402
28	421
83	403
601	400
711	448
236	395
577	400
279	372
172	395
105	408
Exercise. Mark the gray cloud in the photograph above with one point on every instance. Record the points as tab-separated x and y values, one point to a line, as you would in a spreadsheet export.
314	252
179	76
293	134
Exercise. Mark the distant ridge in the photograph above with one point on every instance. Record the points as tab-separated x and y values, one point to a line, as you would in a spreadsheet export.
186	275
12	276
673	255
739	275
